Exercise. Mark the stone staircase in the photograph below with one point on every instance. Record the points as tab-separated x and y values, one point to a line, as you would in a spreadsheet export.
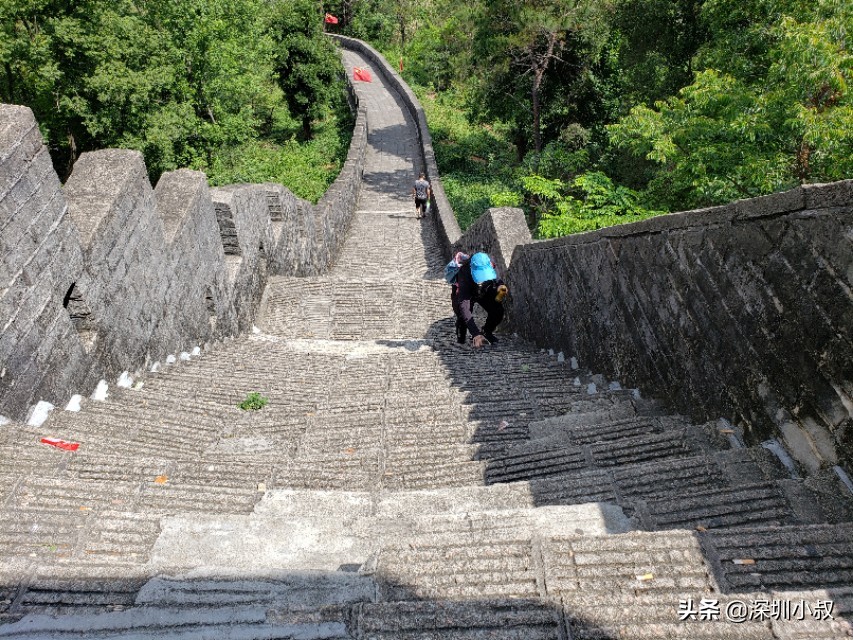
399	485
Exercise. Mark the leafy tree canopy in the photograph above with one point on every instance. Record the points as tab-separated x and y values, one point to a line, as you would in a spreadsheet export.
180	81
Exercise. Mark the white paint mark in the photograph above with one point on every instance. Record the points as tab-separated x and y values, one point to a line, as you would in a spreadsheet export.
125	381
550	352
635	393
196	351
155	367
138	385
776	448
171	359
577	382
100	393
74	403
4	420
39	413
840	473
184	356
614	386
734	439
574	363
591	389
255	330
561	357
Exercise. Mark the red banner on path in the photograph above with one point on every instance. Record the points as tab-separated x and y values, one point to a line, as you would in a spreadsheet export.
61	444
330	19
361	74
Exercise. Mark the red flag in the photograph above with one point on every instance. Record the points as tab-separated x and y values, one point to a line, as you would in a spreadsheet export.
330	19
61	444
361	74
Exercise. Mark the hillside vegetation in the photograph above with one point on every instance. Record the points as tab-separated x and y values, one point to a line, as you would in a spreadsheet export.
593	112
246	90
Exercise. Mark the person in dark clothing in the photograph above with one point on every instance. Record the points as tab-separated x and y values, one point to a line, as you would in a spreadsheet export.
421	192
477	282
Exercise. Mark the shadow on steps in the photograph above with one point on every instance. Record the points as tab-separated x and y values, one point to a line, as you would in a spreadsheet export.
315	605
535	419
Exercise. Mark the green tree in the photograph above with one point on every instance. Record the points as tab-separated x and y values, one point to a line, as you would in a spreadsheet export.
767	119
308	65
592	201
517	45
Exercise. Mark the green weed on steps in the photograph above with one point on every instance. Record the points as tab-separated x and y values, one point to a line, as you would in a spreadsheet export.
253	402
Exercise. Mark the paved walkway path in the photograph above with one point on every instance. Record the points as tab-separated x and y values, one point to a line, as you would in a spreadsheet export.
398	485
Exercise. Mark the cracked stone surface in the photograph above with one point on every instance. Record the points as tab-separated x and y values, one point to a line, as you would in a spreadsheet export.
398	485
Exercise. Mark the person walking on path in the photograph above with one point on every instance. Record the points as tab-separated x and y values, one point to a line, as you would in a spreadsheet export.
421	192
475	280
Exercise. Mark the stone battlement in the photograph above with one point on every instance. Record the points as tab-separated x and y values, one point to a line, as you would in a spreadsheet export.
108	274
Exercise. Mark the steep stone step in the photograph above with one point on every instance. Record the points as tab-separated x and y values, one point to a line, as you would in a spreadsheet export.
420	474
535	459
797	556
552	430
503	569
805	616
39	532
304	590
144	623
632	481
631	563
657	615
744	505
352	309
508	619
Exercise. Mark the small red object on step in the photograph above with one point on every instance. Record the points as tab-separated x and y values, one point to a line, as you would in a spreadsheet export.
61	444
361	74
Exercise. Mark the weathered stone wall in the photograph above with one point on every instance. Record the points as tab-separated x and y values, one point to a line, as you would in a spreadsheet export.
333	213
448	227
40	260
743	311
108	275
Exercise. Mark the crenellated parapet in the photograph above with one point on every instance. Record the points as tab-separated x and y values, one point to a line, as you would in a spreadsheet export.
108	274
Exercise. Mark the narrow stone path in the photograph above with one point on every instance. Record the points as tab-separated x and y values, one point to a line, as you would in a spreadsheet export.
398	485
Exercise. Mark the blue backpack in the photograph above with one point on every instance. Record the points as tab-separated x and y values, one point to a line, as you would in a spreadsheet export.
451	271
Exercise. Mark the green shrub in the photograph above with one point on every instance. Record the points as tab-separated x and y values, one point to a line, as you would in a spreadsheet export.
253	402
599	203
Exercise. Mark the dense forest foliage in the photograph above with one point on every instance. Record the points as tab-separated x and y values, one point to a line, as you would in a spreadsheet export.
584	112
246	90
593	112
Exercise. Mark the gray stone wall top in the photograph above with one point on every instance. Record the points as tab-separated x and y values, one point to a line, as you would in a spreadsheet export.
814	196
497	232
177	191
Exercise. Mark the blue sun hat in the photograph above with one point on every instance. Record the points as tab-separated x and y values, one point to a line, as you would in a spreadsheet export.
482	269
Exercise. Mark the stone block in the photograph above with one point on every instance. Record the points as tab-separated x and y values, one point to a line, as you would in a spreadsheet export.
823	196
784	202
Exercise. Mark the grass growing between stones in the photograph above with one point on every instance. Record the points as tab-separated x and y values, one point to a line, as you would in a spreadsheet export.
254	402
